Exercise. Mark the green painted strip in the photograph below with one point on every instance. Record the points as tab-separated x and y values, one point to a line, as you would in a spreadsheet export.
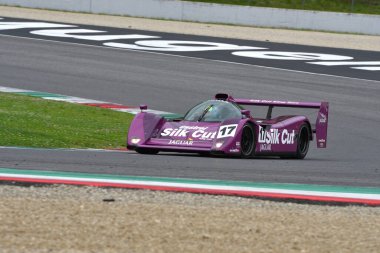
301	187
64	149
40	94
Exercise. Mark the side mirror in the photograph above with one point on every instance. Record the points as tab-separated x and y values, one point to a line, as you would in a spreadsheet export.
143	107
246	113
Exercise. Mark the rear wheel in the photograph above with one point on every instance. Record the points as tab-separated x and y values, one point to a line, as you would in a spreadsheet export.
247	143
303	142
146	151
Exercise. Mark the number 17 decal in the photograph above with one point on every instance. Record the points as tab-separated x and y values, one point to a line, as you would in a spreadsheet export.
227	131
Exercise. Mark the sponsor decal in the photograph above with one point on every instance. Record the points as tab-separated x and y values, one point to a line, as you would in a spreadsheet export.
238	144
321	143
180	142
227	131
265	147
193	127
203	135
259	101
200	133
235	150
184	131
174	132
274	136
322	118
269	137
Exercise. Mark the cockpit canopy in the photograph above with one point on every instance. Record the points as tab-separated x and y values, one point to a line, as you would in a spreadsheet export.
214	111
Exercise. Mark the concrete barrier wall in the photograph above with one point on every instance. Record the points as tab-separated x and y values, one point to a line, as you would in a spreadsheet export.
67	5
215	13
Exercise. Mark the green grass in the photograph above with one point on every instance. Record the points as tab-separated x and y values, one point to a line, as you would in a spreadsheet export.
34	122
360	6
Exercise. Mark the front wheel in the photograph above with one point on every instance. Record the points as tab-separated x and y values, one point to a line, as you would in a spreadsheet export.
247	143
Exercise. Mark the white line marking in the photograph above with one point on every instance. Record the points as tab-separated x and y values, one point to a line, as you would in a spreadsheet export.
345	63
75	100
190	57
202	186
368	68
12	90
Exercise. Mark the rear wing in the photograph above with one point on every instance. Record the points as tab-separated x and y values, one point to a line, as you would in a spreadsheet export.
320	128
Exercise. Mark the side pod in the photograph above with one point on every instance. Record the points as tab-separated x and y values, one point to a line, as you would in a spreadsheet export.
322	118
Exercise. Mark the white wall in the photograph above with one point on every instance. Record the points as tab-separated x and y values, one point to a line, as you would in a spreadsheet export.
69	5
215	13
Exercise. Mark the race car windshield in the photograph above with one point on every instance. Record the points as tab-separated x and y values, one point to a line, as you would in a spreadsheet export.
213	111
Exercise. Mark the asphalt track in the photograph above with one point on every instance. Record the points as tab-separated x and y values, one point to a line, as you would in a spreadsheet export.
173	83
323	60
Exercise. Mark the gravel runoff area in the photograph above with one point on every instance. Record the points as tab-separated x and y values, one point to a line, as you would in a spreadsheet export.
323	39
85	219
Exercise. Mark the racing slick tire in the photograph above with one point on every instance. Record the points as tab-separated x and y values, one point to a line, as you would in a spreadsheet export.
146	151
303	141
247	143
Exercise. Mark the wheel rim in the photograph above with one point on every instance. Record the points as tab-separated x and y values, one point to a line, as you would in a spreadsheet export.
247	140
303	141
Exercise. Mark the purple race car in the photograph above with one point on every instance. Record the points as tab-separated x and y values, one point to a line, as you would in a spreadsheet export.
222	126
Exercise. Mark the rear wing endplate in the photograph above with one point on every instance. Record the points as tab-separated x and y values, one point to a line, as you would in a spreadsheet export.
321	121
